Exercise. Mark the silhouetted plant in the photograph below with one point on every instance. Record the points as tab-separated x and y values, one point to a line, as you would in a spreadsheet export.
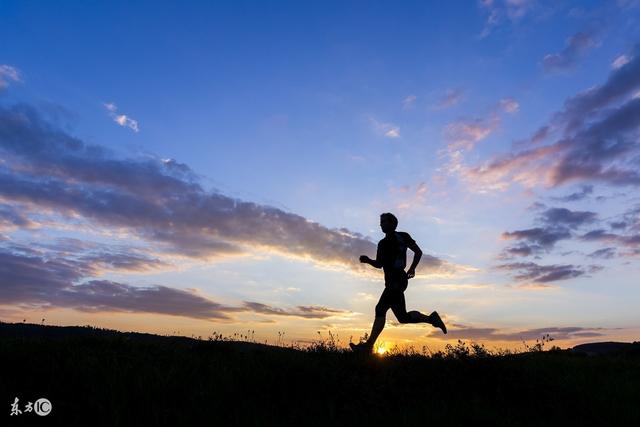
479	350
459	351
539	345
326	345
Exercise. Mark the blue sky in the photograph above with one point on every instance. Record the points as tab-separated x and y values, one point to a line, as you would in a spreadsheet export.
474	122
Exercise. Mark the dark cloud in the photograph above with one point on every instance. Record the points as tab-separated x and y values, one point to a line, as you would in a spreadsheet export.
542	238
602	150
585	191
522	250
28	278
123	261
628	241
99	256
577	46
35	147
540	135
557	224
600	235
108	296
558	217
618	225
629	220
632	240
307	312
536	273
12	217
157	200
58	282
494	334
604	253
536	206
596	140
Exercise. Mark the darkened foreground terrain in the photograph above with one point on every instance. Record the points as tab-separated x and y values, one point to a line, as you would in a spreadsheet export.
100	377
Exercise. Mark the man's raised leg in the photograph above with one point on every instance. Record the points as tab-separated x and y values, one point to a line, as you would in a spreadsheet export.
417	317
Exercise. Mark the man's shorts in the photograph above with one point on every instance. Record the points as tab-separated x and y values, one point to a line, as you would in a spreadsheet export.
393	296
396	280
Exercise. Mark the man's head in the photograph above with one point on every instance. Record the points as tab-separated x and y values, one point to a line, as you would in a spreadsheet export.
388	222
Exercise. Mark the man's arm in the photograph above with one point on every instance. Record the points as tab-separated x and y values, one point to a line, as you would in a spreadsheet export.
417	254
377	263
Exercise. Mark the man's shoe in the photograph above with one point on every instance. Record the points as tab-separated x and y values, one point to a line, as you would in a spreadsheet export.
437	321
361	348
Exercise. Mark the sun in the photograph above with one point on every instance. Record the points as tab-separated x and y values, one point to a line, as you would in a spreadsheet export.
381	350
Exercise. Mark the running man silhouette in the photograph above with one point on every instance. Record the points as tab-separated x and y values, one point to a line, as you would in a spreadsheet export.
392	257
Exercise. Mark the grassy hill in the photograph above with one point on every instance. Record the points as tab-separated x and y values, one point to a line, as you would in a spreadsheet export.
102	377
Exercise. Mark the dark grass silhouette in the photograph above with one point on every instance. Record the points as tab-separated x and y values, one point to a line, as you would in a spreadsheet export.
102	377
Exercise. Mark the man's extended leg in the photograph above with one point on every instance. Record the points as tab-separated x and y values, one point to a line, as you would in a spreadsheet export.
386	300
376	329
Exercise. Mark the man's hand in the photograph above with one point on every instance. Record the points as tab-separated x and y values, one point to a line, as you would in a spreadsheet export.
364	258
411	273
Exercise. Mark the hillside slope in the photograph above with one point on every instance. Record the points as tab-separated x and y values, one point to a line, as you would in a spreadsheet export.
100	377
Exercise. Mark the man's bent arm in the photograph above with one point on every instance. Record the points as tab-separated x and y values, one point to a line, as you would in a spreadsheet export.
417	254
377	263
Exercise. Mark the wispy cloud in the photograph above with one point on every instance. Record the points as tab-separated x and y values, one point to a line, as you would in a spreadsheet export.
509	105
408	196
584	192
536	273
464	134
577	46
409	102
121	119
496	334
620	61
307	312
493	19
388	130
8	74
450	98
499	11
516	9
